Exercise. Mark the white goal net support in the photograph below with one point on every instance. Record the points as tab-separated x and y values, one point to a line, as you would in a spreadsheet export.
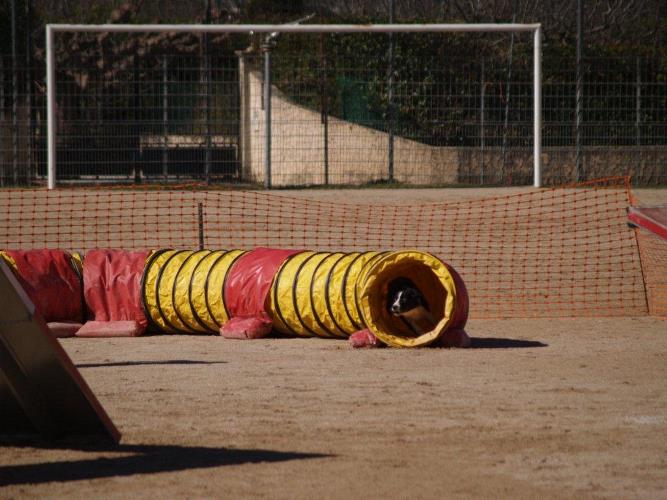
292	122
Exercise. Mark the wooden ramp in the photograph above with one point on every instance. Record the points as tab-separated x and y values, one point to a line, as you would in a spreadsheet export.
40	389
653	219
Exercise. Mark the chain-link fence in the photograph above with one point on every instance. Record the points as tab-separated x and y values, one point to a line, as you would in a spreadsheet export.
341	112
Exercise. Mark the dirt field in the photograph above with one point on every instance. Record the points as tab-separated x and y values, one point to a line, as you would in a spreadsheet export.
558	409
571	408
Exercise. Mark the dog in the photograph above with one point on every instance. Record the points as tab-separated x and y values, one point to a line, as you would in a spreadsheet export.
404	300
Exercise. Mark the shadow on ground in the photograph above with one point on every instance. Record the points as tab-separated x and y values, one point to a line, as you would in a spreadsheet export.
501	343
137	363
138	459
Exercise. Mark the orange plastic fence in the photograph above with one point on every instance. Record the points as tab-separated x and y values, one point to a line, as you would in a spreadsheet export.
548	253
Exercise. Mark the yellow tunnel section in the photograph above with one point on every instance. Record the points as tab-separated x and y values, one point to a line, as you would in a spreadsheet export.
327	294
182	290
443	289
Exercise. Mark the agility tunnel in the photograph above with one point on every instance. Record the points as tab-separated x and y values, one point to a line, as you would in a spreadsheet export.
53	281
97	299
295	292
303	293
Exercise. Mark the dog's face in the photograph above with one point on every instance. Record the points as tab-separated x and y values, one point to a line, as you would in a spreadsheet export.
403	296
406	300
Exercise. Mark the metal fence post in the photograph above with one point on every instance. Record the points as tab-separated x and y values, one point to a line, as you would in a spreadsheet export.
135	128
266	47
324	107
15	101
537	106
507	102
2	119
638	105
579	93
28	90
481	122
165	119
50	107
390	99
207	73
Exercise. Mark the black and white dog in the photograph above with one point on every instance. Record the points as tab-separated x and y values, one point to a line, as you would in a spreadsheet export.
406	301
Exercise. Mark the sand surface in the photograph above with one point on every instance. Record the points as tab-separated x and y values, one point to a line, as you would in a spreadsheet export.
538	409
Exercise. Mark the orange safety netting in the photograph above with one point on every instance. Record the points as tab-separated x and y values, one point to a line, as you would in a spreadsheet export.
547	253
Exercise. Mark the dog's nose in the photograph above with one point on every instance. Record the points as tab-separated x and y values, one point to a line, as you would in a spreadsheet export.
395	308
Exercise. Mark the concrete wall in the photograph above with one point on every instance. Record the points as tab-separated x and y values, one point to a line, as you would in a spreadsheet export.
645	164
357	154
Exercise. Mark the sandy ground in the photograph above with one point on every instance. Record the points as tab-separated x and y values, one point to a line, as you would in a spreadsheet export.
539	409
571	408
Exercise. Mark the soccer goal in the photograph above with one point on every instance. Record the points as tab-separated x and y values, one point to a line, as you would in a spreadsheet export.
297	105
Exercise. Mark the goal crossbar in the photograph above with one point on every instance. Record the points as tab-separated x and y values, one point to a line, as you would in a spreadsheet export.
534	28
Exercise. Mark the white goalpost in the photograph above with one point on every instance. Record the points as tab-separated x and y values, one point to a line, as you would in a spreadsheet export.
52	29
